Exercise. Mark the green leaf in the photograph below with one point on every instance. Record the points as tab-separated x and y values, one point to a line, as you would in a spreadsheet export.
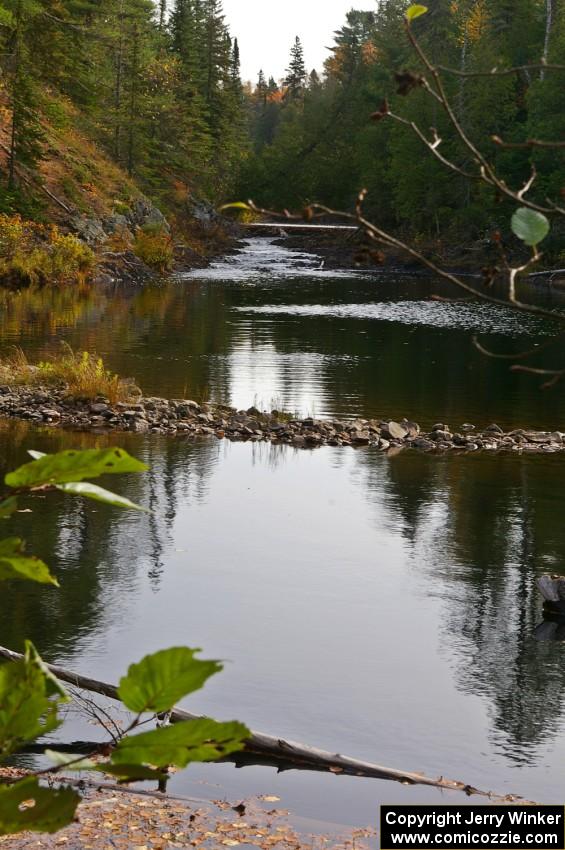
161	680
192	740
6	18
123	772
8	507
236	205
530	226
52	808
72	466
92	491
15	564
26	711
53	686
415	11
131	772
70	761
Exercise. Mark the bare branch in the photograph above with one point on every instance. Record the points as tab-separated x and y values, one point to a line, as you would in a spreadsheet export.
501	72
529	143
487	171
433	147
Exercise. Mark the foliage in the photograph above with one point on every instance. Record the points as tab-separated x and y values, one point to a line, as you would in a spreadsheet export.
33	253
14	563
162	679
325	146
83	374
530	226
155	247
27	805
415	11
191	740
30	694
163	96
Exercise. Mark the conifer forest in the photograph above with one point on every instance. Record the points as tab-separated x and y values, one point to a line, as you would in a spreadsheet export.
282	376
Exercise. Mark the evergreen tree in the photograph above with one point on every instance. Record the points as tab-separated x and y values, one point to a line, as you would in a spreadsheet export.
25	133
261	90
295	79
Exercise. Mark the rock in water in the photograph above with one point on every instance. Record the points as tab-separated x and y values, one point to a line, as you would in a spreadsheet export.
395	431
552	588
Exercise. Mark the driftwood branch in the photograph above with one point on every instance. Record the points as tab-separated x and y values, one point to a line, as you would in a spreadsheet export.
548	273
286	754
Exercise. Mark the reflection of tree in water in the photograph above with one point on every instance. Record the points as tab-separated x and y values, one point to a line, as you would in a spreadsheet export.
98	553
481	530
182	338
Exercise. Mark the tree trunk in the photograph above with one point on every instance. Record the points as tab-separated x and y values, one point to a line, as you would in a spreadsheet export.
133	99
118	86
548	29
284	754
14	99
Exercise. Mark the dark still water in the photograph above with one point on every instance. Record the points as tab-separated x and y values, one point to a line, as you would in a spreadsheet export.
268	327
382	607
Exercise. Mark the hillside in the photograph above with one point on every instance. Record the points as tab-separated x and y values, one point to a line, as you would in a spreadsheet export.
77	187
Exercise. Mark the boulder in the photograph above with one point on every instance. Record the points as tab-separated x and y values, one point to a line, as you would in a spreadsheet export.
395	431
412	428
117	224
90	230
145	214
552	587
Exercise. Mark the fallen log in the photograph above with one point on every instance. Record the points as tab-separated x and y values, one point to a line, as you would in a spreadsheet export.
287	754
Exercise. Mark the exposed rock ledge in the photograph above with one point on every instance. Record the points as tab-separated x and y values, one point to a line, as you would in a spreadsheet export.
52	406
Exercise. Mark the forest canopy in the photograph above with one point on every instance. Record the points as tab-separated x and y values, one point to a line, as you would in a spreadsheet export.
317	142
158	87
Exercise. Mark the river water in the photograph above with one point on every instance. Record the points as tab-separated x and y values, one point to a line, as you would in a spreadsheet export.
383	607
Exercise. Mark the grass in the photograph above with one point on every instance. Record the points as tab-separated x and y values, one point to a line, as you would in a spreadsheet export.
274	408
155	247
32	253
82	373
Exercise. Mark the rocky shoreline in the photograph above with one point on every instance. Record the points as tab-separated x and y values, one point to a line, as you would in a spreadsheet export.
47	405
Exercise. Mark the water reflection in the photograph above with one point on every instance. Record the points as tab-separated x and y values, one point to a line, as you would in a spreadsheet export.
481	531
358	597
270	326
383	606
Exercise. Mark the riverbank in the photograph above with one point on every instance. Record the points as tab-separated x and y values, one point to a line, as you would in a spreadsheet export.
48	405
345	250
113	816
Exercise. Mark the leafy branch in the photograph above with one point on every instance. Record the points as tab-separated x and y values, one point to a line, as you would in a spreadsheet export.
31	695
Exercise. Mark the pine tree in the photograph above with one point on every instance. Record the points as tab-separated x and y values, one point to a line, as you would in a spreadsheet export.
295	79
26	135
261	90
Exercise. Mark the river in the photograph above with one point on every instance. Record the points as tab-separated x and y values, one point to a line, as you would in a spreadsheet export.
383	607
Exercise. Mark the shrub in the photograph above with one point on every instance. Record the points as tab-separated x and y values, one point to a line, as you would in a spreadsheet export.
13	235
84	374
154	246
31	253
69	258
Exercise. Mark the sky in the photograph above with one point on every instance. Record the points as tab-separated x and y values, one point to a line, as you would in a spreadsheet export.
266	30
